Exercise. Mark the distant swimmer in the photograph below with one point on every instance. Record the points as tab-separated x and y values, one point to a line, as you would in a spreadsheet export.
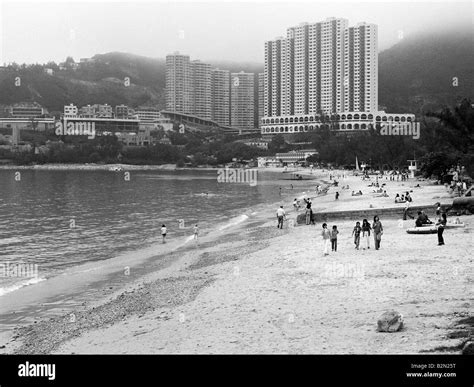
163	232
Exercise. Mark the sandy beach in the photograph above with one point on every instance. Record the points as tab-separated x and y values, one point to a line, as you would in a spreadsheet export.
267	290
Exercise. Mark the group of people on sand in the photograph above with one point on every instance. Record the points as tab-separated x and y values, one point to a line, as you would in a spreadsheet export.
376	229
357	193
403	176
404	198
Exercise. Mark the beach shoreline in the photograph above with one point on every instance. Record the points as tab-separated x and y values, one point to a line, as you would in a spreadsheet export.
271	291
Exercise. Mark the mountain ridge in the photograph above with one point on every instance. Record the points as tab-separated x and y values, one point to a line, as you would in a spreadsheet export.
421	72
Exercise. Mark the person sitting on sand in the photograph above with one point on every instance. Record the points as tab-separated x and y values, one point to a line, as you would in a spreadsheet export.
425	218
385	195
419	220
408	197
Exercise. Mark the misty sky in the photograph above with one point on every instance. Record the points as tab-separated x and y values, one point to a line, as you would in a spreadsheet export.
37	31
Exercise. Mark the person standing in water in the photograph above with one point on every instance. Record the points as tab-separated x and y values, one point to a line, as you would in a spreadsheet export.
196	232
163	232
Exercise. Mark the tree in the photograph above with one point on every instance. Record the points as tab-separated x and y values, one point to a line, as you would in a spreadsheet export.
277	143
437	164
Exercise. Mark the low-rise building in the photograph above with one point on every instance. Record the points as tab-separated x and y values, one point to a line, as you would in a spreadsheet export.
70	110
341	122
295	156
26	110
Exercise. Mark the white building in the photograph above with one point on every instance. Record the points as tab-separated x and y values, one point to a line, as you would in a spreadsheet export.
242	96
70	111
148	114
201	78
179	84
323	73
220	96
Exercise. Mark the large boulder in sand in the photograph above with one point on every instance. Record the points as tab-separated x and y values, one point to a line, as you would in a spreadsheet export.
390	321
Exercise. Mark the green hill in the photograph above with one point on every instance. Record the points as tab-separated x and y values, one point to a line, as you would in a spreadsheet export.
419	71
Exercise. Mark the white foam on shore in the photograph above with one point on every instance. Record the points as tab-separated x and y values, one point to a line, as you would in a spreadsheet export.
12	288
234	222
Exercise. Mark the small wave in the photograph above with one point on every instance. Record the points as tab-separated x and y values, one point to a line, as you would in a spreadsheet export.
12	288
234	222
7	241
205	194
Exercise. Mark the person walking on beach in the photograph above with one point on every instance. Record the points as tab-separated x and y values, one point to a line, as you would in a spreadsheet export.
366	232
441	223
326	234
196	232
406	211
356	233
280	215
163	232
378	231
337	195
334	233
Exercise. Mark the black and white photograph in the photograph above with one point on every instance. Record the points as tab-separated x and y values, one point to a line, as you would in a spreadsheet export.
236	178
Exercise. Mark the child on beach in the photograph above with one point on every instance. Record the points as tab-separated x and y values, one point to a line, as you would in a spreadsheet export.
356	233
163	232
334	233
326	234
366	232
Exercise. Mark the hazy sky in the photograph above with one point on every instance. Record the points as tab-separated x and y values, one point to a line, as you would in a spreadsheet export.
38	31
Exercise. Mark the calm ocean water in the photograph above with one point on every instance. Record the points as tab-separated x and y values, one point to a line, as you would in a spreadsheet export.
60	219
